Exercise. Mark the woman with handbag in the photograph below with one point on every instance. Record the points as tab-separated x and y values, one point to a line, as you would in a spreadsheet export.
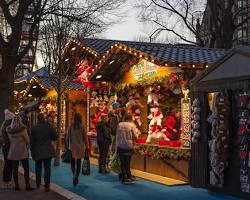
77	140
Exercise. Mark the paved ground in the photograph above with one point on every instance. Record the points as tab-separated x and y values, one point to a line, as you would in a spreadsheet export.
34	195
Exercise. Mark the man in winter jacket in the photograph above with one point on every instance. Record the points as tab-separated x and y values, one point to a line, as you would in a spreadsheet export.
126	133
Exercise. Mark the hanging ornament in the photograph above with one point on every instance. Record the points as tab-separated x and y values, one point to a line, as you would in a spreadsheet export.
85	68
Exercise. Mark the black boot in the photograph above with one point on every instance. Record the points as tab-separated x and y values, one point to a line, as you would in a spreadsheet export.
17	188
28	188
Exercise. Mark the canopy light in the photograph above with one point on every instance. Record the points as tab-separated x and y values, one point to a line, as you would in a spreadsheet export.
74	48
30	95
98	76
34	86
66	60
111	62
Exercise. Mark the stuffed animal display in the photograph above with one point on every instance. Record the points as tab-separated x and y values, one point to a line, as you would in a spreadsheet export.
135	106
195	123
219	144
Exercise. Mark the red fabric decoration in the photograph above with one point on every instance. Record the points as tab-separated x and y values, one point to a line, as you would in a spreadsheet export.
170	123
85	68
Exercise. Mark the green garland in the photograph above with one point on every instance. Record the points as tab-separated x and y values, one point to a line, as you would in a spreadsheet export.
163	153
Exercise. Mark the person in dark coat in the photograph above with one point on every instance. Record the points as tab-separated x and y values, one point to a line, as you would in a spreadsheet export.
42	150
103	141
7	169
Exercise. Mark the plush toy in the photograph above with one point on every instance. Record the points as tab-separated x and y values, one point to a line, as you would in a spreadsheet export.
156	132
195	120
137	100
106	98
136	114
102	111
131	102
153	95
93	99
155	116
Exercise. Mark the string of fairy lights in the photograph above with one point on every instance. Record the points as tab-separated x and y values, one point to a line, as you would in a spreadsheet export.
102	59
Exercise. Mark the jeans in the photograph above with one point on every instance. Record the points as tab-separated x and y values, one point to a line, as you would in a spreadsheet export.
15	165
103	150
47	171
125	158
75	167
7	169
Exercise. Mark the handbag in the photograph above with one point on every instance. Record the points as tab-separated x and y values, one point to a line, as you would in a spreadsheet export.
67	156
86	164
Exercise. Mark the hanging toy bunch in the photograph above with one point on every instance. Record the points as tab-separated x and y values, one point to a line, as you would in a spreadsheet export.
135	106
219	143
243	137
85	68
195	120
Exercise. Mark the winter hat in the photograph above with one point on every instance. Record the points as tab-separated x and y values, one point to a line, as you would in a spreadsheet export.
116	105
8	115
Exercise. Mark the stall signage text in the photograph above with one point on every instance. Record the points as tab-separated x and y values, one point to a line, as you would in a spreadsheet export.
144	69
186	122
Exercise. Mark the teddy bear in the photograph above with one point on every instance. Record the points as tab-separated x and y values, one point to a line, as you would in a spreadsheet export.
137	100
93	99
153	95
136	113
156	132
155	116
131	102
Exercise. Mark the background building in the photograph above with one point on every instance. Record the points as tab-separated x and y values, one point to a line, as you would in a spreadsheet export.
28	63
241	35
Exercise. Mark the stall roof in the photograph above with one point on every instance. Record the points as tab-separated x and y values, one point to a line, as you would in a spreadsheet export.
164	52
50	84
42	72
233	66
42	76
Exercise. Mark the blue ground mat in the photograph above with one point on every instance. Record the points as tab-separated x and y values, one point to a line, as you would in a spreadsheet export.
106	187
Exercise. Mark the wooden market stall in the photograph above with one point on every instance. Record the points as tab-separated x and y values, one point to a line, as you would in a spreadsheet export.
146	75
221	151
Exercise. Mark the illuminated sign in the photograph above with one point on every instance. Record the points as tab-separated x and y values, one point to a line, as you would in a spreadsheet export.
144	69
186	122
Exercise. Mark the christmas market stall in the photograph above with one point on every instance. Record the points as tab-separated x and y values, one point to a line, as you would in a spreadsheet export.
40	86
150	81
221	106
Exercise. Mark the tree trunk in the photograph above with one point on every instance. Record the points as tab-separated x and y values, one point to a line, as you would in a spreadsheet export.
7	85
58	127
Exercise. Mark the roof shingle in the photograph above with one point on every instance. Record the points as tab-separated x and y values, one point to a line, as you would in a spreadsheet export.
164	52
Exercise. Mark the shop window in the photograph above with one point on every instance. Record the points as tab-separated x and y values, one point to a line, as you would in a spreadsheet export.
242	3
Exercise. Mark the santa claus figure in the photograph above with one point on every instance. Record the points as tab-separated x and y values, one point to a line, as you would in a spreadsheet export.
172	125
